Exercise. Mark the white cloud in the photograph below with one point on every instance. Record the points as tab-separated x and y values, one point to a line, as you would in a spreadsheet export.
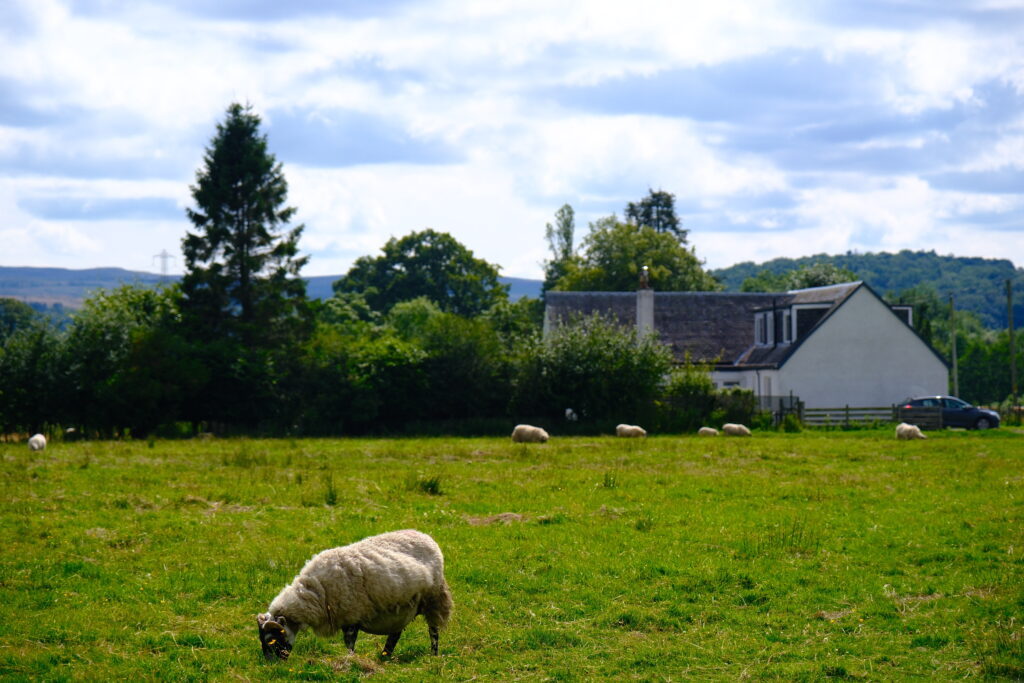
131	90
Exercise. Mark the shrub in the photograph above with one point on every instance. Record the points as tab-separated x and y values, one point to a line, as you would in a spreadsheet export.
735	405
689	398
594	366
791	423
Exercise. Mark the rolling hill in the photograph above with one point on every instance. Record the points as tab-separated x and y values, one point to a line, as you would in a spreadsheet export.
68	288
978	284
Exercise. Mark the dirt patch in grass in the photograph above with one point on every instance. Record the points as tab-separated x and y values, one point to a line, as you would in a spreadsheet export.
833	616
501	517
354	662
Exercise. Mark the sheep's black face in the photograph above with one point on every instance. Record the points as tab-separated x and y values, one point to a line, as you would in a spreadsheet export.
273	638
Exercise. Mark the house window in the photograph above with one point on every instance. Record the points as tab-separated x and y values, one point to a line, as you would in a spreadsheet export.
786	325
759	334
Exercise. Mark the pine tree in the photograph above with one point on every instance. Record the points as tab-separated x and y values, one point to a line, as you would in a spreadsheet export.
244	305
657	210
242	270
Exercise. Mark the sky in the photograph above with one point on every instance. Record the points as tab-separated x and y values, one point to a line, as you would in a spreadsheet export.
785	128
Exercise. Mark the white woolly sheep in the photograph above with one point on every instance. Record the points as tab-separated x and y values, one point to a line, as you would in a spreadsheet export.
733	429
570	415
37	442
377	585
906	432
630	431
529	434
707	431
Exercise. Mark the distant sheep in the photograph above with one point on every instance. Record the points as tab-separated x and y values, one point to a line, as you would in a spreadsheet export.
529	434
707	431
906	432
37	442
571	415
630	431
377	585
733	429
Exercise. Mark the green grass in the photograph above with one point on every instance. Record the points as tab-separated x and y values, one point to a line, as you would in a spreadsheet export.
813	556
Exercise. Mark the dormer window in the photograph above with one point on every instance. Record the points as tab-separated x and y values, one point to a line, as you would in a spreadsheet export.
764	329
787	324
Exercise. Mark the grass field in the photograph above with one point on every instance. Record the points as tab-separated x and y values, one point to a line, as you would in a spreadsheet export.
792	556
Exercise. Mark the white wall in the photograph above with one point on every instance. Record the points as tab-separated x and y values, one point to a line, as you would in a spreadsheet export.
862	356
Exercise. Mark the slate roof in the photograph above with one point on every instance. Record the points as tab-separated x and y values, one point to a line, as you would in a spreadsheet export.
712	326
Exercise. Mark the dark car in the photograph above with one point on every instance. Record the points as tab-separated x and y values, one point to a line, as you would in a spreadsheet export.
956	413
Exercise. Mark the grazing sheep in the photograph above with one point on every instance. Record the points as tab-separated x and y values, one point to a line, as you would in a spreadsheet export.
529	434
377	585
707	431
37	442
906	432
733	429
631	431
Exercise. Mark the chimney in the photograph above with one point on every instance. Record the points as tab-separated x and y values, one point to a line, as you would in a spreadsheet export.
644	305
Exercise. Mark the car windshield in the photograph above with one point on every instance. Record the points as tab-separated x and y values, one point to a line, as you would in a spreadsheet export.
955	403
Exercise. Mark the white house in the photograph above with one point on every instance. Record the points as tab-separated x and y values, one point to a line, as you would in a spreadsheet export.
828	346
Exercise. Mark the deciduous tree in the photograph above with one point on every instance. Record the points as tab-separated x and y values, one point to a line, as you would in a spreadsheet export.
430	264
560	240
614	252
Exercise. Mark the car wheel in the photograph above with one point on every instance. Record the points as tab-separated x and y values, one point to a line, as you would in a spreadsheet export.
982	423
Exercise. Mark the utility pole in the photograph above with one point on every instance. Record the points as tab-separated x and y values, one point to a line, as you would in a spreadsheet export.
1013	349
952	337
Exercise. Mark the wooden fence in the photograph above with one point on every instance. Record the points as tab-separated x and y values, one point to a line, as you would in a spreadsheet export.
925	418
846	416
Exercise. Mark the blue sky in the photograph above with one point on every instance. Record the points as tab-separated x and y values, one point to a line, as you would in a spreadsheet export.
782	128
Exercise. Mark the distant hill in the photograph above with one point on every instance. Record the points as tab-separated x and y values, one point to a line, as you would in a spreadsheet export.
64	286
319	286
978	284
69	288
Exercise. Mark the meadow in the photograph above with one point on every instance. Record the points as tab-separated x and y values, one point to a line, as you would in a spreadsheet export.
812	556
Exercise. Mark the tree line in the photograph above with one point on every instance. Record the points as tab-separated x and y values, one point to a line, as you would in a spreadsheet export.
421	336
978	284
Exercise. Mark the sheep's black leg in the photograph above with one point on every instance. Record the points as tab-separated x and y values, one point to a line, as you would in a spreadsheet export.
433	639
389	645
350	633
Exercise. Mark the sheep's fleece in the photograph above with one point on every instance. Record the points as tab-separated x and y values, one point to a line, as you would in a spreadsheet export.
529	434
907	432
733	429
630	431
377	585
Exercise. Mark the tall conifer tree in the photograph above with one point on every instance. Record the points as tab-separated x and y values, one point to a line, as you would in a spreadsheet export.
244	305
242	266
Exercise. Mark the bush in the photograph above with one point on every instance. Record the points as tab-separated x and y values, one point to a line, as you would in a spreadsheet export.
689	398
594	366
791	423
734	405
